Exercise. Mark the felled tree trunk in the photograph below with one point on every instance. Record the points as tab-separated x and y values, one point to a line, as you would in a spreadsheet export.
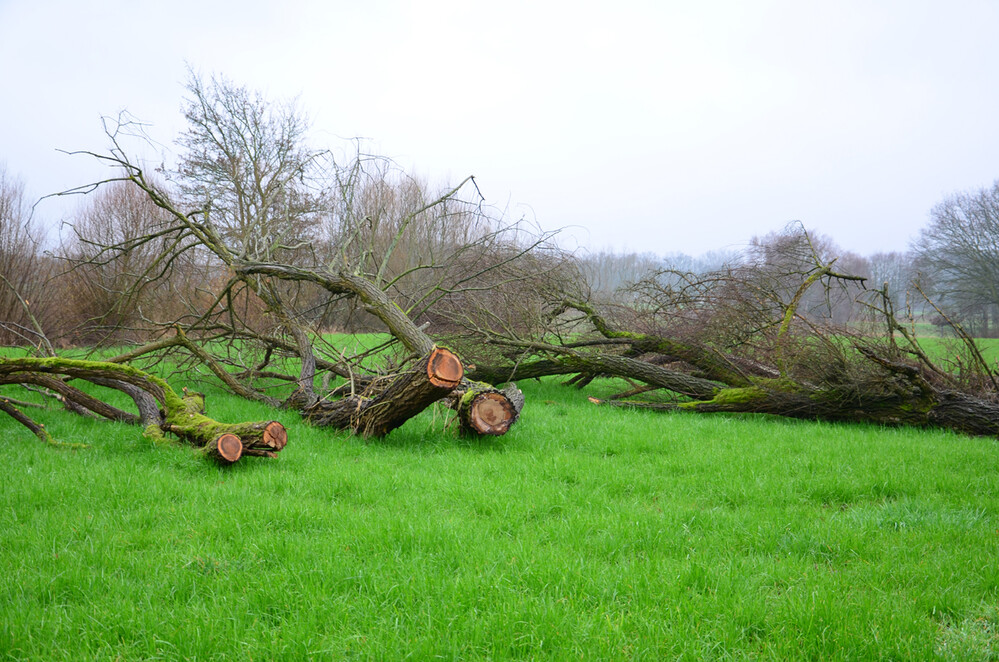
261	439
926	408
389	402
186	419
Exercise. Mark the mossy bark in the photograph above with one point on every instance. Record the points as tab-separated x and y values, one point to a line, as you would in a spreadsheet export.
186	420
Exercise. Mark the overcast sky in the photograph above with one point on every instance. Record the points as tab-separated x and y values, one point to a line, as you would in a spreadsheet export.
641	126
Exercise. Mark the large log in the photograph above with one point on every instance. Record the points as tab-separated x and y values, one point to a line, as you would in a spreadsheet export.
389	402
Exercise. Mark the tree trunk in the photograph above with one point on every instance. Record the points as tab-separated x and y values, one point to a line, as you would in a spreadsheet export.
387	403
927	409
187	420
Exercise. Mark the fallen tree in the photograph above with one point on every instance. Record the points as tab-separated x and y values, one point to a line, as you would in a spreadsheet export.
292	241
757	337
912	401
388	402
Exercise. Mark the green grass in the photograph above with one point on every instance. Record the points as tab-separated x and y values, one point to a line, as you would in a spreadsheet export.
586	533
951	351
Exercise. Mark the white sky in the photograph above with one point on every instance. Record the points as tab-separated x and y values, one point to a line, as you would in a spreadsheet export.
647	126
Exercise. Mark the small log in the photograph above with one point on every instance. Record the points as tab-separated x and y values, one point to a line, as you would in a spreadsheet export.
226	449
265	436
485	409
271	435
486	413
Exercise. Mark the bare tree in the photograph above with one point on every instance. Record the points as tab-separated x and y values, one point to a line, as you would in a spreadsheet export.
23	268
893	271
244	163
115	257
958	254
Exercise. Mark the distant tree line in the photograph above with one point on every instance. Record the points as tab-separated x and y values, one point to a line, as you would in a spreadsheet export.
80	296
953	265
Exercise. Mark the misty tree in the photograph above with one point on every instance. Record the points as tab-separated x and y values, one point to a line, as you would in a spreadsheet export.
609	273
958	254
23	269
893	270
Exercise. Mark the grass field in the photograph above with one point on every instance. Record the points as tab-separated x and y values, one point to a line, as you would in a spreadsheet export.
585	533
948	349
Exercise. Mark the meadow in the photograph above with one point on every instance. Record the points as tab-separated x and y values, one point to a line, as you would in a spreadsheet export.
585	533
